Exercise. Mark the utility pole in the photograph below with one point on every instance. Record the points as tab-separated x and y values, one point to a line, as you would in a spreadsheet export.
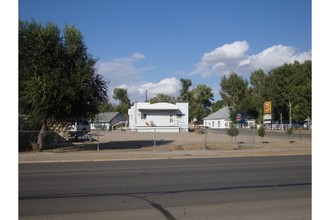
146	95
205	140
290	112
254	134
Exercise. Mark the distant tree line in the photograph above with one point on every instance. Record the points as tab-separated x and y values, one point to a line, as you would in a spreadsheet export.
287	86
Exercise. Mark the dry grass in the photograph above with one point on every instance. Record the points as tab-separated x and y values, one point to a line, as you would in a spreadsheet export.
192	141
121	145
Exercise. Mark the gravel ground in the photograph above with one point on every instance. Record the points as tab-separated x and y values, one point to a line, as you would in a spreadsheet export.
123	145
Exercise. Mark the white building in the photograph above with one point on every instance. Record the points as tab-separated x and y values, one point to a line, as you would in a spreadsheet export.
219	119
160	117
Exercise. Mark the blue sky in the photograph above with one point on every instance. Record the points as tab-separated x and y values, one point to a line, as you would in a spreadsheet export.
150	44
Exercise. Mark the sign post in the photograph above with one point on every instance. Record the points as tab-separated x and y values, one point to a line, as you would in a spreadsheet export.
238	117
268	112
268	107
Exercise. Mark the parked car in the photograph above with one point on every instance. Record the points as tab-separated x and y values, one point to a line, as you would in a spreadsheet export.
78	128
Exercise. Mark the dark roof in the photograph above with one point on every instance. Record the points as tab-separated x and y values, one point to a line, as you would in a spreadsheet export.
107	116
220	114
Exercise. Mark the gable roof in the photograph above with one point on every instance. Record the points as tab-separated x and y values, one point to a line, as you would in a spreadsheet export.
107	116
220	114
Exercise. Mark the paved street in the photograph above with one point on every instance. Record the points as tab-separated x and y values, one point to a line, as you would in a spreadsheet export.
218	188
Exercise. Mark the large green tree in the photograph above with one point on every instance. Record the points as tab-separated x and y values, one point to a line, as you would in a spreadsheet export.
302	108
184	91
200	102
217	105
57	77
121	95
161	97
234	92
290	91
257	94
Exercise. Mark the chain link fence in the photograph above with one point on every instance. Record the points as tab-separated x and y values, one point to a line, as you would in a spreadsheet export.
203	139
28	139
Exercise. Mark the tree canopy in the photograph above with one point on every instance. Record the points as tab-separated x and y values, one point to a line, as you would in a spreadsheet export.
184	91
291	90
57	78
257	94
287	86
161	97
200	102
233	90
121	95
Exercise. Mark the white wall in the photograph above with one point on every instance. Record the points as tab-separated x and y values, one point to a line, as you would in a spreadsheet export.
217	123
144	114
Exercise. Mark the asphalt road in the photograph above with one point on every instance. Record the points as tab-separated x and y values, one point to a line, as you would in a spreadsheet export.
221	188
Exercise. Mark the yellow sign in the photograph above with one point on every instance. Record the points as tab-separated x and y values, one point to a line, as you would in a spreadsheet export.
268	107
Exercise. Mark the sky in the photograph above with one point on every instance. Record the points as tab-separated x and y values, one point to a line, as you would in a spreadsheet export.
148	45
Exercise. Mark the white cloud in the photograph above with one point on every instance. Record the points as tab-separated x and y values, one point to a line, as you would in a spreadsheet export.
234	57
270	57
125	73
122	70
138	56
168	86
232	51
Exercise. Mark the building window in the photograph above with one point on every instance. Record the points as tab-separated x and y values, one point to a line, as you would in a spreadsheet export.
218	124
171	119
143	116
212	124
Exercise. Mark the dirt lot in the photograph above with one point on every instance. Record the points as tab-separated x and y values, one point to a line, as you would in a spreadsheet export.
194	141
118	145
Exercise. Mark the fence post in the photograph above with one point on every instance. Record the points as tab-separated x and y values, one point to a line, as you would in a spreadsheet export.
205	140
98	140
254	135
154	138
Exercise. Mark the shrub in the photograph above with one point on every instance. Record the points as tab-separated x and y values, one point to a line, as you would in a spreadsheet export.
233	131
261	132
289	131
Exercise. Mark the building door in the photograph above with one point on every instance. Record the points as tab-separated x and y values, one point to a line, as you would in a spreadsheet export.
171	120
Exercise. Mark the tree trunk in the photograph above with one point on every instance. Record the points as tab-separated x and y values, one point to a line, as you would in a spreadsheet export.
41	137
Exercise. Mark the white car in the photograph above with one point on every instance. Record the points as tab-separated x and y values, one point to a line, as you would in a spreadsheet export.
77	128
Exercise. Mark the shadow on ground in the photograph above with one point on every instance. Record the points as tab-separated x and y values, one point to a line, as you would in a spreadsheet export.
111	145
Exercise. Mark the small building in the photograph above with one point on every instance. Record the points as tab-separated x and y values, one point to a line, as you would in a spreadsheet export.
109	121
160	117
218	120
